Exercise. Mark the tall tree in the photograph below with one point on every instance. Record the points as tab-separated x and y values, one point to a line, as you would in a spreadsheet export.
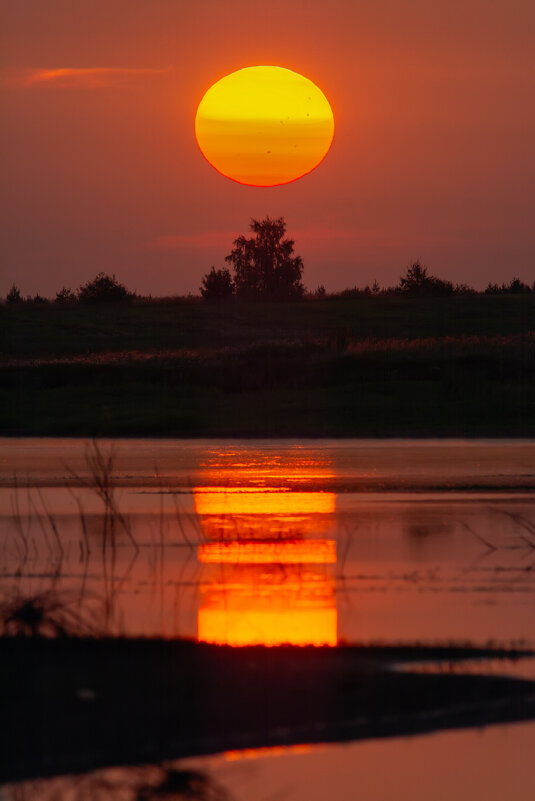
264	264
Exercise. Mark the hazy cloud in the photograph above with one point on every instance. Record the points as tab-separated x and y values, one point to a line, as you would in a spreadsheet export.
77	77
208	239
311	234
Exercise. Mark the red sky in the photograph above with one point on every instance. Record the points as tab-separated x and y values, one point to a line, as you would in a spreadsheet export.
433	157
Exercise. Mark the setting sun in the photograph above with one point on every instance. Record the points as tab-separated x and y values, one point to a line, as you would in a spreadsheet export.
264	126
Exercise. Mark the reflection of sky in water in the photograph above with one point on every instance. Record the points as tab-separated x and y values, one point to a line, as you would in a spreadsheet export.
260	527
266	577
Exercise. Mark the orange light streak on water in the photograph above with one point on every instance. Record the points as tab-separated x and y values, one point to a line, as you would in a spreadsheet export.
266	578
277	552
269	501
268	604
268	751
267	626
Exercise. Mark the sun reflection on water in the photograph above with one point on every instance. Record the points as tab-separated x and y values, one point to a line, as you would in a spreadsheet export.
267	565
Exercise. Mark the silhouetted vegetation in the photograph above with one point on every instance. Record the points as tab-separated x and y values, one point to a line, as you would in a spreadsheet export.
264	264
408	360
333	386
266	269
14	296
514	287
47	614
217	285
418	282
176	783
65	295
103	289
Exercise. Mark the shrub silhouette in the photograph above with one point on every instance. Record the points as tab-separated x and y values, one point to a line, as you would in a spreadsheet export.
38	299
418	282
514	287
103	289
518	287
14	296
65	296
264	264
46	614
217	285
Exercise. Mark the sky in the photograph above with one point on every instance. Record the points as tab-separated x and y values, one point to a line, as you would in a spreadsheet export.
432	158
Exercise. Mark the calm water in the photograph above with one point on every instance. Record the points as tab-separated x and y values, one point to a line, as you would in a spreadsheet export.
277	542
305	542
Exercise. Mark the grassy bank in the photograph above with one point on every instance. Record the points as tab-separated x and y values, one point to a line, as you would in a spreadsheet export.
56	329
461	366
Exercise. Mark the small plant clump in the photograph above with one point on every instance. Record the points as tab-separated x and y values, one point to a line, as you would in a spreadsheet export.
46	614
65	295
176	783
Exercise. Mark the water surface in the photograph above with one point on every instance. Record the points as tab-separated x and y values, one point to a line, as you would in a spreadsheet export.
296	542
270	542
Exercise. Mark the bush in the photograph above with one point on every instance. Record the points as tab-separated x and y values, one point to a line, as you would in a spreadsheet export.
217	285
418	282
14	296
464	289
65	296
518	287
514	287
104	289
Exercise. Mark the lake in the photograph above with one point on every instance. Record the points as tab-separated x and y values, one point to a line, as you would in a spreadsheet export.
306	542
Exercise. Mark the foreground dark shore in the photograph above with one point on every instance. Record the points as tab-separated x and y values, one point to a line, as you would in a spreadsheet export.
76	705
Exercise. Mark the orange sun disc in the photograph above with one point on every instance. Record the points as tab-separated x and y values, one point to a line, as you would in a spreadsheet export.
264	126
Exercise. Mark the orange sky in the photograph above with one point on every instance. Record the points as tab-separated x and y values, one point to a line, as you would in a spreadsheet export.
432	158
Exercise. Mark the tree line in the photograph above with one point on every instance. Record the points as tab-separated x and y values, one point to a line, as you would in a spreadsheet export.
265	267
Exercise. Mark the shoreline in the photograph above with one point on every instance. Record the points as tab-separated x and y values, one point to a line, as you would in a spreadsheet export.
75	705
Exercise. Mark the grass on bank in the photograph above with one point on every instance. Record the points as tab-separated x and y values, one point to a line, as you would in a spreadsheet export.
387	366
56	330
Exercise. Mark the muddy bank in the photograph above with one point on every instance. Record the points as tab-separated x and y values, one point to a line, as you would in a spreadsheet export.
76	705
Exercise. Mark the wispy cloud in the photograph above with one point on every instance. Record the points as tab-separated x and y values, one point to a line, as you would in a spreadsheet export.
324	234
208	239
318	237
77	77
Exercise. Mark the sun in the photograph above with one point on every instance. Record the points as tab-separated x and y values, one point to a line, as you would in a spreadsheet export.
264	126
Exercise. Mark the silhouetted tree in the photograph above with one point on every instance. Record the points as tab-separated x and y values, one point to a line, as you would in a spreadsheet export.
417	281
518	287
514	287
103	289
217	285
65	296
464	289
264	264
14	296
